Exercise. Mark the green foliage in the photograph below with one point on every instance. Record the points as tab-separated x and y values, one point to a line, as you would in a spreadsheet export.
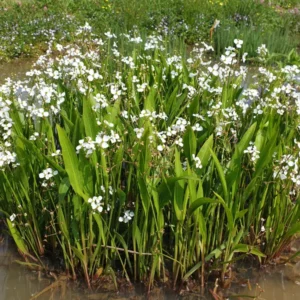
27	27
147	157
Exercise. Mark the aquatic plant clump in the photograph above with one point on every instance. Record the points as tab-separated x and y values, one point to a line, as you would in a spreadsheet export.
162	165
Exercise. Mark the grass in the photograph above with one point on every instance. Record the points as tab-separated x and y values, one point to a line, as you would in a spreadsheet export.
278	42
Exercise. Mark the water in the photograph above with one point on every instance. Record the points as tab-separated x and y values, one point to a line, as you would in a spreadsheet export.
15	69
20	283
276	286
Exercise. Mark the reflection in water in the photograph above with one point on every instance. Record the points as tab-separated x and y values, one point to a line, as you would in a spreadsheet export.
280	284
276	287
19	283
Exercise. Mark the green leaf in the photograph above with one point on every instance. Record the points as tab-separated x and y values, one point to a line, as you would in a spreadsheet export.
125	247
17	123
30	265
221	175
293	230
144	194
121	196
71	163
178	165
266	156
199	202
189	143
260	139
77	203
234	171
34	150
89	119
167	187
78	254
63	188
228	213
240	214
178	200
88	178
192	271
217	252
171	100
204	152
194	107
176	111
17	237
243	248
68	123
62	223
150	100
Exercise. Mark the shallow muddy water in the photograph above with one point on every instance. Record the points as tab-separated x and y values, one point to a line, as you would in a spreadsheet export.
19	283
15	69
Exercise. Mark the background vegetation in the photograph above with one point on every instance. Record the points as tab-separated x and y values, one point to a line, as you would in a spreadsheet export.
26	25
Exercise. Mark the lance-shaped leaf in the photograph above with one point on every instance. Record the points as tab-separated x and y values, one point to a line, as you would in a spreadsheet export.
71	163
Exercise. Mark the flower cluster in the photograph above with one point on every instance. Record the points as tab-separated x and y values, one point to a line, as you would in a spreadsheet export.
102	140
253	151
128	215
197	160
96	203
7	157
288	168
47	174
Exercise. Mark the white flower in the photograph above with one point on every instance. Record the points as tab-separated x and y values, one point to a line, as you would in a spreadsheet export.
141	87
128	215
12	217
197	127
56	153
198	161
87	145
124	114
238	43
6	157
59	47
179	142
96	203
110	35
252	150
102	141
48	173
34	136
115	91
139	132
263	52
160	148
